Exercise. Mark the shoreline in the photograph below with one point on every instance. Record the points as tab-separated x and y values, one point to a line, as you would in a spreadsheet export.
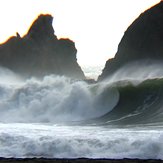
79	160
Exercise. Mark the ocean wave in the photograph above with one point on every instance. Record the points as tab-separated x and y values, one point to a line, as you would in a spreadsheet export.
57	99
138	104
54	99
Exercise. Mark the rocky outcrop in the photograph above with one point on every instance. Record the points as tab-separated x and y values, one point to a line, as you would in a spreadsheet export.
143	40
40	53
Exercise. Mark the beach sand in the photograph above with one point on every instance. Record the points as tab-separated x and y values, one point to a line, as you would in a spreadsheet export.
43	160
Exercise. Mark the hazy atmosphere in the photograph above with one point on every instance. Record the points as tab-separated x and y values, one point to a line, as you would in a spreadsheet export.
64	98
96	26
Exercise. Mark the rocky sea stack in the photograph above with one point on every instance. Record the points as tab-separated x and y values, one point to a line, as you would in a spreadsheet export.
143	40
40	53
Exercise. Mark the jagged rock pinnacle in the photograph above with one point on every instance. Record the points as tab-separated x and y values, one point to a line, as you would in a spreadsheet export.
40	53
143	40
41	28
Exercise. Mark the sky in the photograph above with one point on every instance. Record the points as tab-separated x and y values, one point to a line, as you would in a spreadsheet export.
96	26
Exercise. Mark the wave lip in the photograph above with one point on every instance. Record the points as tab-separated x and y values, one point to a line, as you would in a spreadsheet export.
138	104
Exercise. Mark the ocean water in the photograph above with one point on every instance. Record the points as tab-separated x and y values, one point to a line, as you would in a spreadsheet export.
57	117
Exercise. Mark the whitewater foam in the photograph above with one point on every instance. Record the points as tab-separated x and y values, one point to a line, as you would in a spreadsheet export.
51	141
54	99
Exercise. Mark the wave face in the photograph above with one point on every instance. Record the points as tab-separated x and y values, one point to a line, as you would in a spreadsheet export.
138	104
140	88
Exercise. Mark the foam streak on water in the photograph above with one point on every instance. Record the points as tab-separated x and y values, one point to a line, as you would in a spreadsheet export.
52	141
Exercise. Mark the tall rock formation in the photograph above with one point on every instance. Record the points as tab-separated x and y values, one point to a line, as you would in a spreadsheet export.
40	53
143	40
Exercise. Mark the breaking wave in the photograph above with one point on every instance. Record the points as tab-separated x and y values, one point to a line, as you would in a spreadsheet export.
59	99
57	117
54	99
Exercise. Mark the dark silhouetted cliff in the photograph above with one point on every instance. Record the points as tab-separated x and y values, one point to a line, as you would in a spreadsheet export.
142	40
40	53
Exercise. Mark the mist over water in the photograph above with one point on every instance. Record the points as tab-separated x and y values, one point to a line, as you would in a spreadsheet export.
57	117
138	71
92	72
53	99
9	77
56	99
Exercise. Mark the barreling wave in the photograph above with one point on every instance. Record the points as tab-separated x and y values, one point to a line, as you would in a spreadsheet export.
56	99
140	88
138	104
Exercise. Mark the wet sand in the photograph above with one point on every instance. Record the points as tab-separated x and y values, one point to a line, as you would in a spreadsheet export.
43	160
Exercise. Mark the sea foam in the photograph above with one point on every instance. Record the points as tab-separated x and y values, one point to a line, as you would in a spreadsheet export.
52	141
54	99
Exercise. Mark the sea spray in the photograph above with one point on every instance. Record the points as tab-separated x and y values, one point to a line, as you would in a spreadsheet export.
54	99
137	71
9	77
